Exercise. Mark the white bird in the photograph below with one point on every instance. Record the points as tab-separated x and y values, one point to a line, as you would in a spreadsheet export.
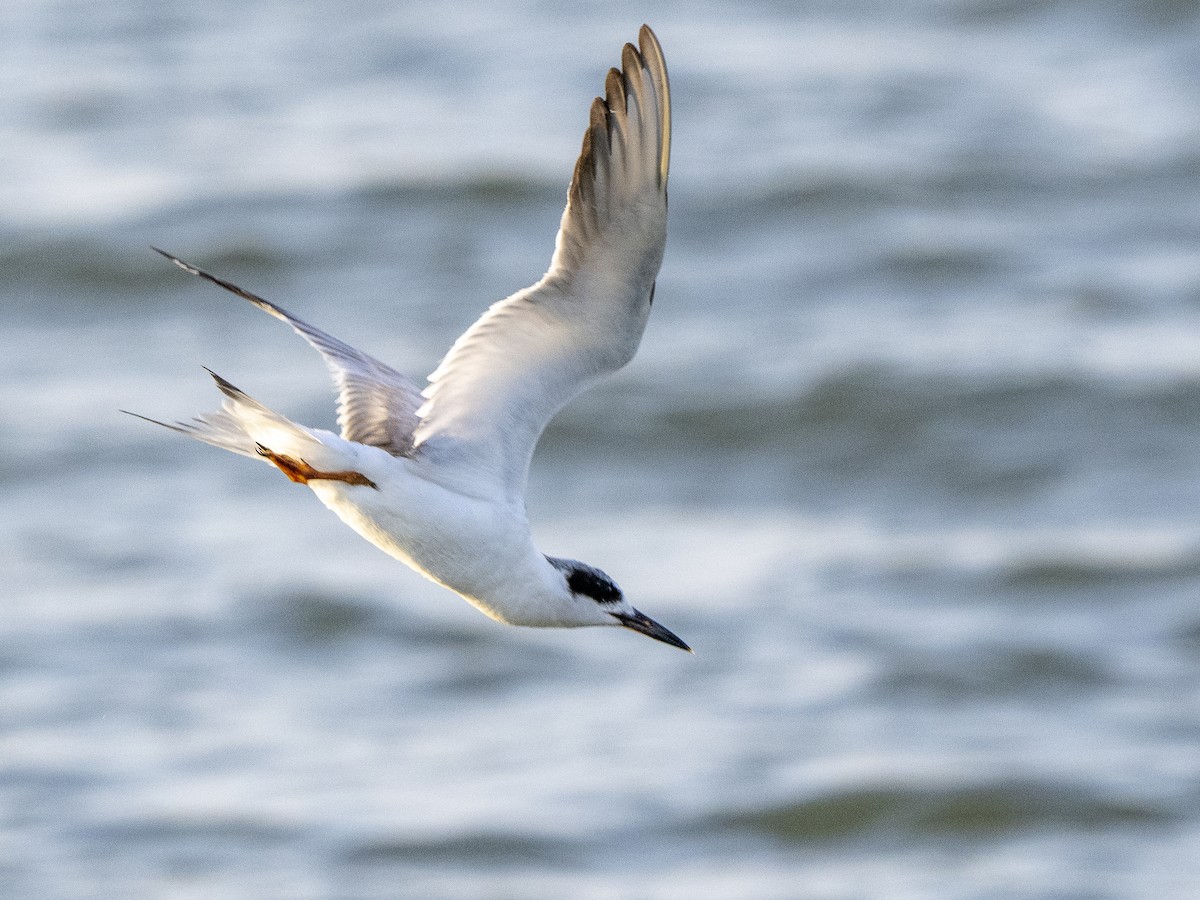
436	477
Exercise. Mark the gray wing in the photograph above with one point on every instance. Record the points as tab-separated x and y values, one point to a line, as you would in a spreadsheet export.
510	372
376	404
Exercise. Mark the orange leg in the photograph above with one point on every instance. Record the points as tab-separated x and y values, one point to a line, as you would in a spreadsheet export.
299	471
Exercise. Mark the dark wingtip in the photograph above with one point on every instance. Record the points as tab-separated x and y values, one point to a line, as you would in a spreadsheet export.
175	259
143	418
176	427
194	270
222	283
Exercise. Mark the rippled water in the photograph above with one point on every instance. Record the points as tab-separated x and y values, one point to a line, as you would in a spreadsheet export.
909	455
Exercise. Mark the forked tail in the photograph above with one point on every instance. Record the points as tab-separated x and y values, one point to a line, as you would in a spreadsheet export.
245	426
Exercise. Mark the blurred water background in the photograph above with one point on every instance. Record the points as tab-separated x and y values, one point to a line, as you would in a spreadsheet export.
909	455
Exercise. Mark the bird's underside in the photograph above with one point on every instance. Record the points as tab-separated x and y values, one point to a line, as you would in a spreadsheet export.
471	431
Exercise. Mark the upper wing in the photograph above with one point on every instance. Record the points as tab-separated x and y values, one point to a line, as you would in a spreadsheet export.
510	372
376	404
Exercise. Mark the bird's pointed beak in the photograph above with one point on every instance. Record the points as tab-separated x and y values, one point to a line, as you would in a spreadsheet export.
647	626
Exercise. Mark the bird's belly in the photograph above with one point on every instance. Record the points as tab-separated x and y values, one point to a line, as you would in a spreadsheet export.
472	547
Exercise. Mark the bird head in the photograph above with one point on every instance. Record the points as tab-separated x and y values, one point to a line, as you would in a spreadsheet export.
605	604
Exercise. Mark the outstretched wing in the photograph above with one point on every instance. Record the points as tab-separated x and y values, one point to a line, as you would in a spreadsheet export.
376	404
510	372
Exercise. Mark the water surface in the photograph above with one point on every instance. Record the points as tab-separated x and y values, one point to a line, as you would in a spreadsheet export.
908	455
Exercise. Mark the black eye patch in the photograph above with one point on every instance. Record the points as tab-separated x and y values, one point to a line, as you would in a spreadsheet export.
590	584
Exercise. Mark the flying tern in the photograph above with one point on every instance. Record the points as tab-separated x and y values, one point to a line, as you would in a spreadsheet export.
436	476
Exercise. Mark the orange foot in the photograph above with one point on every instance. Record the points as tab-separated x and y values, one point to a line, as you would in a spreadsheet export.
299	471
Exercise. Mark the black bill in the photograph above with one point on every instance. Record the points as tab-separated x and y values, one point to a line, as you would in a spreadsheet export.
647	626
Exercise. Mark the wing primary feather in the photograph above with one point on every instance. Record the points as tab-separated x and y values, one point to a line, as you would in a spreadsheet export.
631	65
376	404
320	340
581	181
615	112
656	64
614	91
601	146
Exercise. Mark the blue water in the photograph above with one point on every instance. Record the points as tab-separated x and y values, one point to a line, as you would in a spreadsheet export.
909	455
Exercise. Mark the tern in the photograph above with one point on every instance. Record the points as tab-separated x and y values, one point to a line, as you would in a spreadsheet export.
436	476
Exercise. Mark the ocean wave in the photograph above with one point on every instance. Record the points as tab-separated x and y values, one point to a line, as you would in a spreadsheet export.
1086	568
87	267
263	230
308	617
484	187
711	554
978	673
973	436
479	848
902	813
